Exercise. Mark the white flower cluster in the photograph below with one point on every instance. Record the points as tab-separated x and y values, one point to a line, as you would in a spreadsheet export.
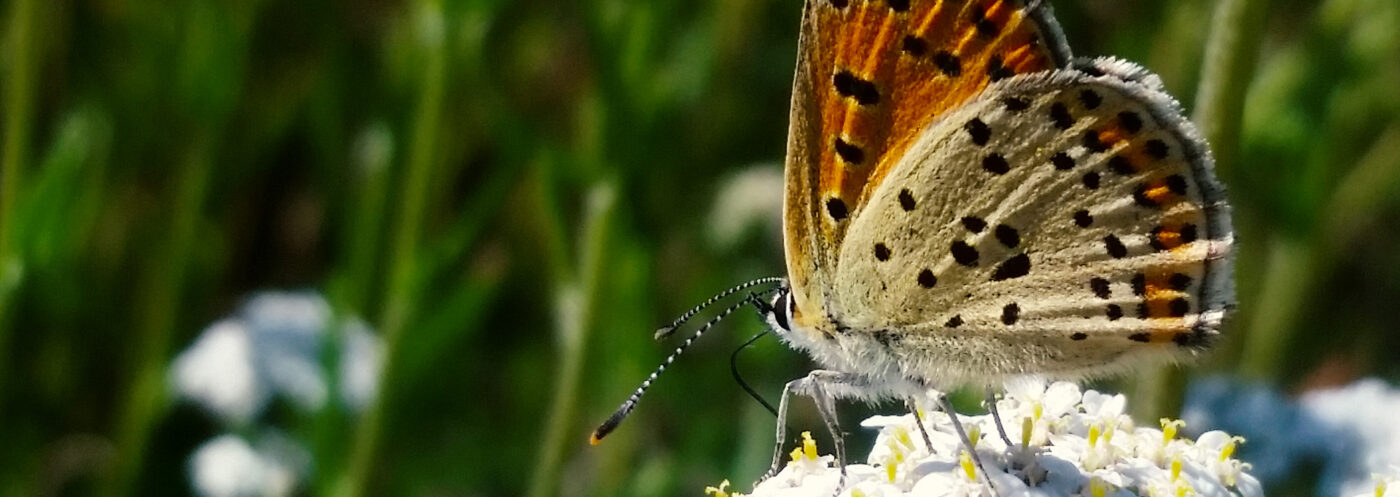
1387	484
1064	442
272	347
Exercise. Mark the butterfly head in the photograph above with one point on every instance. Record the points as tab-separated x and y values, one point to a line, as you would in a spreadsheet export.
779	313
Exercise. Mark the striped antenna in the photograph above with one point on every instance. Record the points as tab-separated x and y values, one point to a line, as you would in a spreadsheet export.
621	413
666	331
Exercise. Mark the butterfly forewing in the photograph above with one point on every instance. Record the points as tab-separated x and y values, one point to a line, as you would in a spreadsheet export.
1061	223
871	76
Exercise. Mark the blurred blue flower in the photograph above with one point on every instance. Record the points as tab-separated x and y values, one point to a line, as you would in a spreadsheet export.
1350	430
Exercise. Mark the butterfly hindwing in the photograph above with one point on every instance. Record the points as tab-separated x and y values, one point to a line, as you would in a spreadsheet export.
1058	223
871	75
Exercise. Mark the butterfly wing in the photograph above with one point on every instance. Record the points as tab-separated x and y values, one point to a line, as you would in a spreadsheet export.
871	75
1063	223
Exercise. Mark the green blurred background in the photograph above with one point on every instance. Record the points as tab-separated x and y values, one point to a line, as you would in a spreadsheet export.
515	194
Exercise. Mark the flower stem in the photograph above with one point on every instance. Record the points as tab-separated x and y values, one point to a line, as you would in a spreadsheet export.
1294	264
1231	59
575	304
145	397
402	290
19	110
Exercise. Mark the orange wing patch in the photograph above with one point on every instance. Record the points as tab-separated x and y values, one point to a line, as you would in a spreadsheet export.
893	66
1165	298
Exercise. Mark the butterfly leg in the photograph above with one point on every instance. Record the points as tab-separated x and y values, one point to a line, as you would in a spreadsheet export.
781	431
996	416
824	387
967	442
919	421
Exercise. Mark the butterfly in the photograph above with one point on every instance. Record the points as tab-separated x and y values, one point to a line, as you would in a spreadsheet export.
965	202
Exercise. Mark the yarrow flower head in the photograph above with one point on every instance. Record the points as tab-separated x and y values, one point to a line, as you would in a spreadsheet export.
1063	442
1387	484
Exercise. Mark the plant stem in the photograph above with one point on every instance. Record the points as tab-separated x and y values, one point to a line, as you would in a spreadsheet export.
1295	263
19	109
1289	271
145	397
575	304
1231	59
401	294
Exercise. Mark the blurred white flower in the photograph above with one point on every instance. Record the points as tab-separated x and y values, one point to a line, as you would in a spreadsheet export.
227	466
373	149
1366	409
217	372
275	345
288	330
751	198
361	360
1088	447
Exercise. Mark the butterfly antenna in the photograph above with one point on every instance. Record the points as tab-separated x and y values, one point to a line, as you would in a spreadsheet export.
734	369
666	331
621	413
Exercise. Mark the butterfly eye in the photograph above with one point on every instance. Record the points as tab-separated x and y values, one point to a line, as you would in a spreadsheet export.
781	309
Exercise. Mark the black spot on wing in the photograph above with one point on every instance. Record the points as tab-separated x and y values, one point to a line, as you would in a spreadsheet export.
948	63
1130	121
851	86
974	224
996	164
1091	180
849	152
1179	282
1059	113
1100	288
978	131
1017	266
1008	236
927	279
906	200
914	46
1010	314
1090	98
1082	218
836	209
965	254
1156	148
882	252
1115	247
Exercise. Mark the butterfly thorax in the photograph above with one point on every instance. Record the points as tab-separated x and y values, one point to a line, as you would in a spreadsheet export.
847	350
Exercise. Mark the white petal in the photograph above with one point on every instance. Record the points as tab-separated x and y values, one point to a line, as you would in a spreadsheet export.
227	467
217	372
